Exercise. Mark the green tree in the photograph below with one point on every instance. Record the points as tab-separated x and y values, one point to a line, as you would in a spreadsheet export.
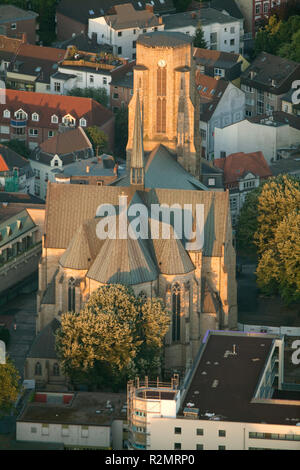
248	223
9	386
199	40
115	334
97	94
291	50
18	147
98	139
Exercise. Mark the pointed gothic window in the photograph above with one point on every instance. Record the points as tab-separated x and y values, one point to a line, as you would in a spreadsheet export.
38	369
161	100
176	312
71	295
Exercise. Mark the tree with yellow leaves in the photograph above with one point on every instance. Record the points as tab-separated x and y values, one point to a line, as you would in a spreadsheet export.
9	386
115	333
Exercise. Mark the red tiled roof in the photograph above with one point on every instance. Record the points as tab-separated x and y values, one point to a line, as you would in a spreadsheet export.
3	165
46	105
214	56
211	91
237	165
41	52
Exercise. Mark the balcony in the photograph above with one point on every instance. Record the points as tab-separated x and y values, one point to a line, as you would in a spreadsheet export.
18	123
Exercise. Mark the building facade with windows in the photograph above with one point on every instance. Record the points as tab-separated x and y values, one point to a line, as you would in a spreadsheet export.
234	398
122	28
265	83
17	22
222	32
35	117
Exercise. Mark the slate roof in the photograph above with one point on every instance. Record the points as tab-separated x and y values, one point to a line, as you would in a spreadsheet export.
83	43
268	67
13	227
227	5
69	206
44	343
206	16
20	198
67	142
160	163
82	11
236	165
10	159
126	16
10	13
279	118
164	39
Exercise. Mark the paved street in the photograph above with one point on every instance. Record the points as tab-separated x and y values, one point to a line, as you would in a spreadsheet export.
23	310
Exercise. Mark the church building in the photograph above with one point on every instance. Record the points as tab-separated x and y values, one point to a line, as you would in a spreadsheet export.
197	284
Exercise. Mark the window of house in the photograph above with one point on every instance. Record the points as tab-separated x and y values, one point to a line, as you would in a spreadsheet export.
54	119
248	113
257	8
266	7
71	295
115	96
177	446
91	78
232	42
6	113
134	44
104	80
35	117
50	134
33	430
56	369
45	429
222	433
82	122
119	50
20	115
13	26
57	87
84	431
37	192
144	30
219	72
134	31
222	447
119	33
211	181
134	56
199	432
199	447
33	132
65	430
177	430
203	134
232	30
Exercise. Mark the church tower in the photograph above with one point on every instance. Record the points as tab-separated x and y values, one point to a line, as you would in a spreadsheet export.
164	80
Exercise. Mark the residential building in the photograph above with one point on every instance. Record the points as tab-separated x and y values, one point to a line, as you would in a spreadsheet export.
31	67
121	89
220	64
271	135
221	31
122	27
88	70
73	15
234	398
288	104
78	420
21	228
16	174
256	13
15	22
266	81
290	165
34	117
8	49
54	155
242	172
221	104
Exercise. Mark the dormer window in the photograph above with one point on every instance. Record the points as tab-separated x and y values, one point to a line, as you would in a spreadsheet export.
68	120
20	115
6	113
35	117
54	119
83	122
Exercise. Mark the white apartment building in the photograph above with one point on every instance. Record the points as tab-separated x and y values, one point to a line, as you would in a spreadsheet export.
122	28
234	398
266	134
221	32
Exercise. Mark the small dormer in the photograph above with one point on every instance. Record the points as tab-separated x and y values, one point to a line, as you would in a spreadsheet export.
6	113
35	117
54	119
21	115
83	122
56	162
69	120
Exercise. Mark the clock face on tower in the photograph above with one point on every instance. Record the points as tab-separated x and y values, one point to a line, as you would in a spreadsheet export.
161	63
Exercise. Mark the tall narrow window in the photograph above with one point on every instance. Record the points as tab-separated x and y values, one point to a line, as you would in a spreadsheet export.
71	295
176	312
38	369
161	100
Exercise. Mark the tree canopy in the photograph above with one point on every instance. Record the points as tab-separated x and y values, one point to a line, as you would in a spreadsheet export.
97	94
280	37
199	40
9	386
98	139
115	335
269	221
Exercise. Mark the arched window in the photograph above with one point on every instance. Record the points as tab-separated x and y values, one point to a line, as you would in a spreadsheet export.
55	369
142	296
71	295
176	312
38	369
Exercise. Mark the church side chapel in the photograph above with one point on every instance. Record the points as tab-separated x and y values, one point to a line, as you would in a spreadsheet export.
198	286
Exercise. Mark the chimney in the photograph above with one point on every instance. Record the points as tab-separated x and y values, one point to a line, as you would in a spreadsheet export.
149	7
87	169
24	38
160	20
